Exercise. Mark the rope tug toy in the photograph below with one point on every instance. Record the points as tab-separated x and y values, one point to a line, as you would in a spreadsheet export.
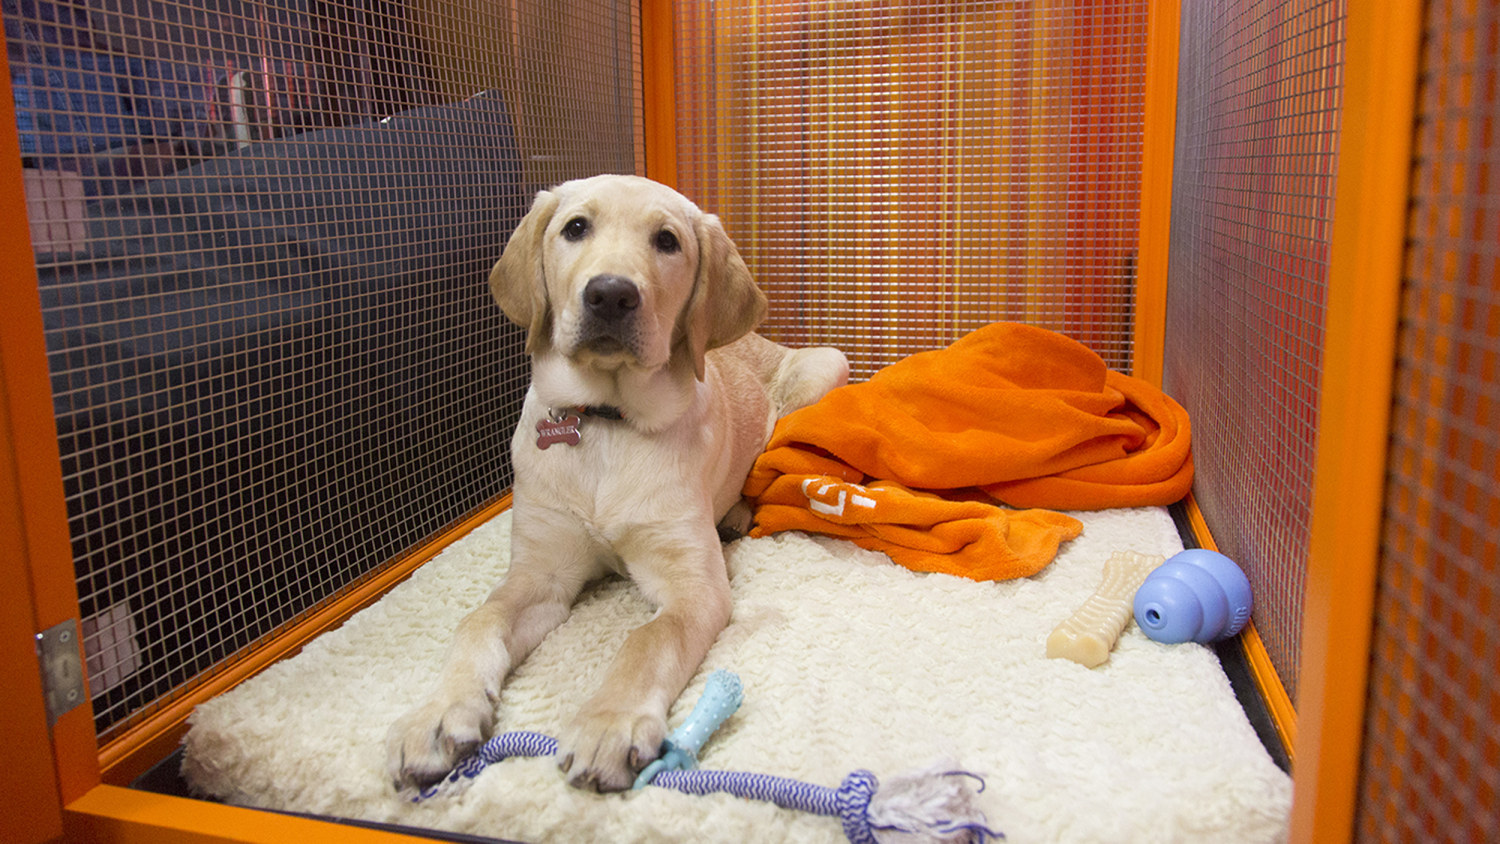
935	804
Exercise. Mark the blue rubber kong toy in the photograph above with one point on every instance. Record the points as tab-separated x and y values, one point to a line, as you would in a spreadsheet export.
1195	596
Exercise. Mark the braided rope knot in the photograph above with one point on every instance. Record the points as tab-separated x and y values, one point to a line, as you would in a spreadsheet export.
853	802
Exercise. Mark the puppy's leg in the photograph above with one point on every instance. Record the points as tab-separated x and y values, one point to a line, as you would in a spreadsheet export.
806	375
621	728
423	745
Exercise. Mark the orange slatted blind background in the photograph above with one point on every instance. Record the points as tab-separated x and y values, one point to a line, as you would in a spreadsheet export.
900	174
1431	759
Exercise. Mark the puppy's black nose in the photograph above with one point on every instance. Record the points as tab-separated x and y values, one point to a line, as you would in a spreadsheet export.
610	297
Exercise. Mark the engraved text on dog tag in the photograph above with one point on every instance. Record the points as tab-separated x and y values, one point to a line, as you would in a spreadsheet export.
560	430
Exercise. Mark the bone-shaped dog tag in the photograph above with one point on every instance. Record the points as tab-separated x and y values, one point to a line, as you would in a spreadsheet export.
563	430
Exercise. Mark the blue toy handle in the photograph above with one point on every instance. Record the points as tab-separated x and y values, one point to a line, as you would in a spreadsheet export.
1195	596
722	695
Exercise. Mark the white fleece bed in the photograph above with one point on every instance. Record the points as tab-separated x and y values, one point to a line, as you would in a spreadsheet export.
848	662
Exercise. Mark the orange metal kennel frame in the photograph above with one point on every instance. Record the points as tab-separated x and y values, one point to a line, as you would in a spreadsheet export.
61	784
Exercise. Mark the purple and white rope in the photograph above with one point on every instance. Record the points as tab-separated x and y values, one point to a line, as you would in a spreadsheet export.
850	802
503	746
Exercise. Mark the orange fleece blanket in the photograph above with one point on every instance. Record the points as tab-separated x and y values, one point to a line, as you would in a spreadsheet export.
912	461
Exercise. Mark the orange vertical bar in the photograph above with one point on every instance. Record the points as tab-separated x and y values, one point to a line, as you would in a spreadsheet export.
1156	191
28	772
28	769
658	78
1366	255
40	572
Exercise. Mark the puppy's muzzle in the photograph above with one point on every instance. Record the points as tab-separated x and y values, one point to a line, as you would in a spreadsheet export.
611	304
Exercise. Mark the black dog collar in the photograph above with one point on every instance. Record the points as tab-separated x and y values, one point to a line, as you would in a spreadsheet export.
601	411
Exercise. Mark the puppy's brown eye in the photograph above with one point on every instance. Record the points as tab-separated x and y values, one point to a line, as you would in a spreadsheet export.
666	242
575	229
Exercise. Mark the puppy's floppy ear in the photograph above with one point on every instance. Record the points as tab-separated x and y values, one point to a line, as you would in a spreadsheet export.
518	280
726	304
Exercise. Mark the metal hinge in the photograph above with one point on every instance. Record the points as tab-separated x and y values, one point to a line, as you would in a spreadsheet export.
62	668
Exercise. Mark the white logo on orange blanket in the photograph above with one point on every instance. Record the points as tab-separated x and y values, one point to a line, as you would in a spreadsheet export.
829	498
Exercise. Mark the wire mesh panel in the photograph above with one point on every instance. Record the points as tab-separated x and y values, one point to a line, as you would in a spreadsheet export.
262	234
1257	129
1431	761
898	174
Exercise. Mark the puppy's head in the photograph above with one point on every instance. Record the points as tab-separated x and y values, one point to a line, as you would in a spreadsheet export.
621	271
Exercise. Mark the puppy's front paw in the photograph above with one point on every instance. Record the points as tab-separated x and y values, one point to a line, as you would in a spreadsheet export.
604	750
425	743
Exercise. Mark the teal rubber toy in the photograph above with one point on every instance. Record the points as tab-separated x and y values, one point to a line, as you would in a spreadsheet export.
722	694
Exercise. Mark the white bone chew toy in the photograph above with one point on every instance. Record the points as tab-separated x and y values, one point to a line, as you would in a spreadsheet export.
1088	635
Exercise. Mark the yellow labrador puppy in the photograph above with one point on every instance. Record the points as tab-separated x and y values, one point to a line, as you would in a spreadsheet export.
650	399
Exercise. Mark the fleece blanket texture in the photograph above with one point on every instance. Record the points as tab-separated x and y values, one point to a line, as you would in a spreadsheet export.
1010	413
848	662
